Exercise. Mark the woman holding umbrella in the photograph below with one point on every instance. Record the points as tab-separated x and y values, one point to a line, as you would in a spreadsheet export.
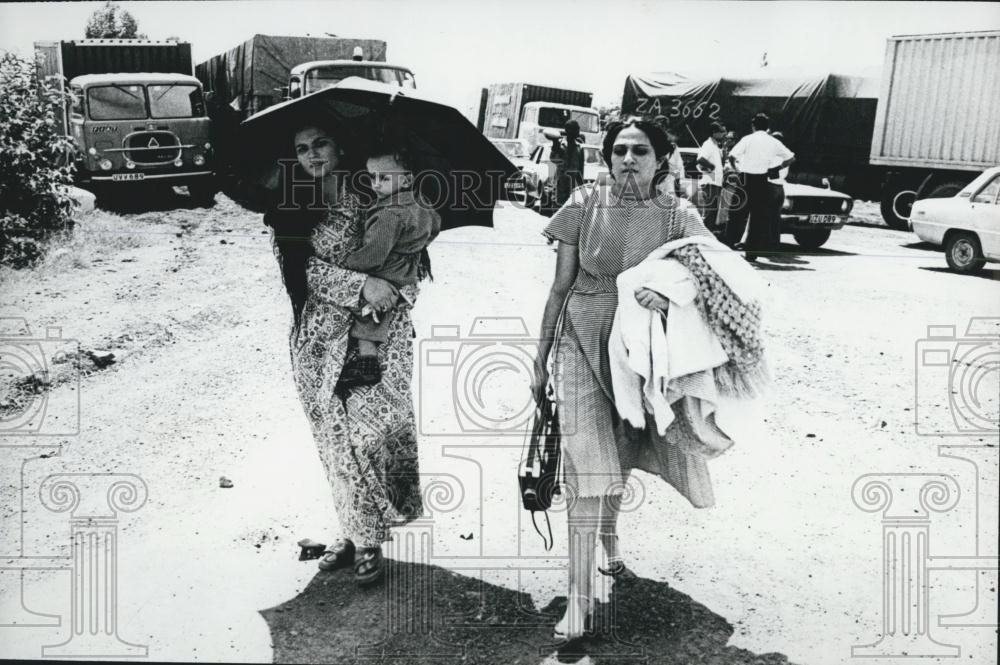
366	435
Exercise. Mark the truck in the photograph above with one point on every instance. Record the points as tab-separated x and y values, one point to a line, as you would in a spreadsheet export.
135	112
924	129
937	124
537	113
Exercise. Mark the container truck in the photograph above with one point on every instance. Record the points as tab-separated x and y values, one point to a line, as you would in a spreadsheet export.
937	125
537	113
136	112
925	129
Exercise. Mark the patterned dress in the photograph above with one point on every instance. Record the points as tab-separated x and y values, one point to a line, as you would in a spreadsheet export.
614	234
366	439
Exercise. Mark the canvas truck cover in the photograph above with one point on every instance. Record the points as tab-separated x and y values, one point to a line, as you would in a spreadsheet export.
939	105
113	56
826	120
249	77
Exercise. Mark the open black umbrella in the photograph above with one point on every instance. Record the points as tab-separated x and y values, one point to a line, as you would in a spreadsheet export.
459	170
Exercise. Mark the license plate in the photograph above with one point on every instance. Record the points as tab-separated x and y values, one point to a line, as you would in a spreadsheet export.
128	176
824	219
515	185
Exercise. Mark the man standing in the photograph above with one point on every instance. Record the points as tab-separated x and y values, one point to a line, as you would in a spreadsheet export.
569	162
758	156
710	165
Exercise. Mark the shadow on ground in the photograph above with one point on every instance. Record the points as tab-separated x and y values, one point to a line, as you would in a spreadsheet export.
433	616
129	198
985	273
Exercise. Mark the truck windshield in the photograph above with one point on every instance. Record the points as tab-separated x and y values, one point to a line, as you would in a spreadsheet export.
324	77
176	100
117	102
557	118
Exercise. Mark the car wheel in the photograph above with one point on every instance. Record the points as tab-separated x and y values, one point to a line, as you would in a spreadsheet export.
964	253
811	238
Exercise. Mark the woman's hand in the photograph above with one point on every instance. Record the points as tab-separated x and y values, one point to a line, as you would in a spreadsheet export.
379	293
540	381
651	299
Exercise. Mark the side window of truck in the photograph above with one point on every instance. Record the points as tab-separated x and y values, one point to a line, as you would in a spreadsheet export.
295	88
76	102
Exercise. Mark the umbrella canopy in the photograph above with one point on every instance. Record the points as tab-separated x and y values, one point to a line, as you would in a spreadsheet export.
458	170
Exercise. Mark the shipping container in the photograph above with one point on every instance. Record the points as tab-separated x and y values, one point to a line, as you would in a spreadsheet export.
253	75
112	56
937	123
939	106
505	103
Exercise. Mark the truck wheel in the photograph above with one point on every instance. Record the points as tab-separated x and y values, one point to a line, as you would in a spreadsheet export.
964	253
203	192
811	238
946	190
897	202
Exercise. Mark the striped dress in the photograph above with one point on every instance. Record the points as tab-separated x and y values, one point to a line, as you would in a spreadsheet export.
614	234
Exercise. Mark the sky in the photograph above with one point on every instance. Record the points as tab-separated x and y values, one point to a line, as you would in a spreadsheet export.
455	48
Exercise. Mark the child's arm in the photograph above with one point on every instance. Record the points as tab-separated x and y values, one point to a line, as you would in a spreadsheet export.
381	235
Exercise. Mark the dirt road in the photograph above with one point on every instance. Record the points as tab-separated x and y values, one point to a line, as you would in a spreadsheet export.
787	565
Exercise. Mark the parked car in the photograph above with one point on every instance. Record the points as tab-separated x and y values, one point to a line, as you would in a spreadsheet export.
966	225
540	173
516	150
809	213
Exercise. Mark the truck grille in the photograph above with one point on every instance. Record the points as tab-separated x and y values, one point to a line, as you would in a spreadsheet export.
152	147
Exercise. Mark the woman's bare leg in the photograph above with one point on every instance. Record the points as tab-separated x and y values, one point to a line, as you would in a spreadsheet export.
583	520
608	531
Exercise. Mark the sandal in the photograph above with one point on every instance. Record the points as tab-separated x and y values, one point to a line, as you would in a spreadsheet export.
338	555
616	566
368	566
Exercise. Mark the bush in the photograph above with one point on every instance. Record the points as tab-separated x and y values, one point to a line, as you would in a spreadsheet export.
36	162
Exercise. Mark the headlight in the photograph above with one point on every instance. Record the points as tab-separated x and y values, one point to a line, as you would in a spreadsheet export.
130	165
199	160
178	163
92	152
106	164
787	205
845	206
208	146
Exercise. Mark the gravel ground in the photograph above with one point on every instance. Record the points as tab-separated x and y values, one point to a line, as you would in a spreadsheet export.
785	568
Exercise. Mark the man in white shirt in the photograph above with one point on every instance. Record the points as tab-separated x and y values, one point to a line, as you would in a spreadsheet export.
711	167
758	156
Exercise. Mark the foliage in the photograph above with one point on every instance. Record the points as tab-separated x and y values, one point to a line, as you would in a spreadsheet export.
36	162
111	21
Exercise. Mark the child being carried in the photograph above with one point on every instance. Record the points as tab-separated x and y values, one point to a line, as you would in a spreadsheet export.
399	228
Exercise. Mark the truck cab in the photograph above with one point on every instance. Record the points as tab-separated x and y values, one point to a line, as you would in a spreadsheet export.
310	77
150	127
543	121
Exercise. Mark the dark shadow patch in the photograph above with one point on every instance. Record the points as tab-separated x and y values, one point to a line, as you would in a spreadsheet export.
985	273
926	246
432	616
130	198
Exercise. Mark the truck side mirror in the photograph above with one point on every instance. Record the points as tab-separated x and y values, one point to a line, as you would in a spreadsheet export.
284	91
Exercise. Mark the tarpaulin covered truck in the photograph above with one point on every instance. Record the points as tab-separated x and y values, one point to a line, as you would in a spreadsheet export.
537	113
924	130
937	125
136	112
255	74
826	120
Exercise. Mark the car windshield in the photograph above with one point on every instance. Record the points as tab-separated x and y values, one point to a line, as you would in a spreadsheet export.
117	102
557	118
176	101
512	149
324	77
